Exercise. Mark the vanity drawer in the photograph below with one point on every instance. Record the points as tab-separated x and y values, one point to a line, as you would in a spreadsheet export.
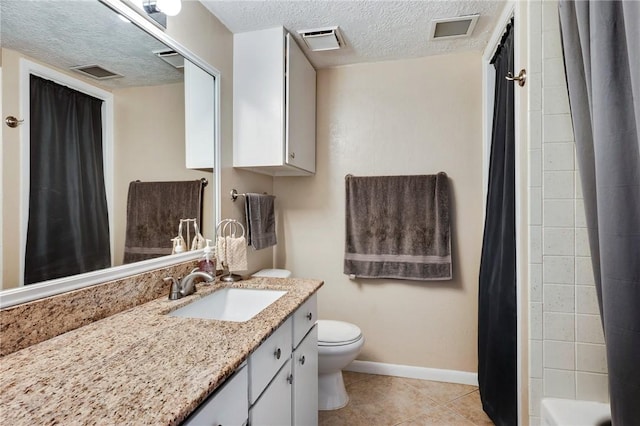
265	362
227	406
304	318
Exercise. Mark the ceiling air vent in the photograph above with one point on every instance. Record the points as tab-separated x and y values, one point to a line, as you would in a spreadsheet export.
96	71
448	28
171	57
322	39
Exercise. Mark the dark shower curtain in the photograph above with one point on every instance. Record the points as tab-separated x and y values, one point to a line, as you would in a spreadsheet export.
601	41
68	229
497	351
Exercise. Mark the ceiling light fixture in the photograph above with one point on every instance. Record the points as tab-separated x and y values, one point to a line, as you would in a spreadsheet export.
323	39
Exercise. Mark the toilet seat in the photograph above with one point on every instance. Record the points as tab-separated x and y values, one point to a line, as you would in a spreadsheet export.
337	333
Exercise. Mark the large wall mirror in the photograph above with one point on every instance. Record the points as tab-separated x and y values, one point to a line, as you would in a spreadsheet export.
146	140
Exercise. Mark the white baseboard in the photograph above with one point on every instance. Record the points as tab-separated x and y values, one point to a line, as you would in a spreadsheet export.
411	372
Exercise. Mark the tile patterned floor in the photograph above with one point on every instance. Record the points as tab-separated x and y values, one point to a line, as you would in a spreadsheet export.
388	401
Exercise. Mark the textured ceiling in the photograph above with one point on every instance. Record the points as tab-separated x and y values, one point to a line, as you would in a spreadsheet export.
374	30
66	33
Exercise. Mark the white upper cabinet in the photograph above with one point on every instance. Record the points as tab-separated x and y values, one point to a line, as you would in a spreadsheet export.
199	106
274	105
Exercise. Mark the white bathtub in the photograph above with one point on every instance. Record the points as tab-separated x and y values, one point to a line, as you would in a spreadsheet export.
569	412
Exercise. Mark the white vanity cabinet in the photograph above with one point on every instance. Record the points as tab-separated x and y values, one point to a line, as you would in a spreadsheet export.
227	406
291	396
274	104
279	383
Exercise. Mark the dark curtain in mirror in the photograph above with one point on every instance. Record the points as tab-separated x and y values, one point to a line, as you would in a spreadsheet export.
68	228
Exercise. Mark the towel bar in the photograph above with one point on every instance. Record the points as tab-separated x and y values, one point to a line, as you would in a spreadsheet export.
235	194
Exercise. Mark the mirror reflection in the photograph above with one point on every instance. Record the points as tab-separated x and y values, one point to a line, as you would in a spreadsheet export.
134	119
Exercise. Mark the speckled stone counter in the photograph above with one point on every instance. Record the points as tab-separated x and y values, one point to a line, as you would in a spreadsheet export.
140	366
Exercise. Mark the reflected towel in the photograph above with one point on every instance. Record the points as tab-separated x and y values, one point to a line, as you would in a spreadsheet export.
398	227
261	220
154	210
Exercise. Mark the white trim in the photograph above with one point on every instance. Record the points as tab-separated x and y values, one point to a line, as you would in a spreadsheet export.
412	372
521	149
28	68
15	296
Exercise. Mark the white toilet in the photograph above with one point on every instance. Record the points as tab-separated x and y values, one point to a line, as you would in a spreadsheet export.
339	343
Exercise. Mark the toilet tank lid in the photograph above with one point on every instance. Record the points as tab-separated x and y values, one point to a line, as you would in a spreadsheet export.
330	331
273	273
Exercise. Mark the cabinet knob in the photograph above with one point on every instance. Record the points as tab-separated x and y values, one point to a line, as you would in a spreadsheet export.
309	316
292	155
302	360
277	353
290	379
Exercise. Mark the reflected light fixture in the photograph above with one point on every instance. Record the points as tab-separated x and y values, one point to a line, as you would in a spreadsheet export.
169	7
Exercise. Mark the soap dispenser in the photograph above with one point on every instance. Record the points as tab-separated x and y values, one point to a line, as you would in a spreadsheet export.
208	261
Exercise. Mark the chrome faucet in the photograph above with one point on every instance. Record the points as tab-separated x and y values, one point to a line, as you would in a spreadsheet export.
185	286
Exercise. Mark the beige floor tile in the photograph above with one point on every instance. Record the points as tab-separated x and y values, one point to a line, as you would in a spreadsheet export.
442	392
438	416
470	407
352	377
376	400
346	416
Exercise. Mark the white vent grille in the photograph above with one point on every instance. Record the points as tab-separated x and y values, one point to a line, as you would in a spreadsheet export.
322	39
449	28
96	71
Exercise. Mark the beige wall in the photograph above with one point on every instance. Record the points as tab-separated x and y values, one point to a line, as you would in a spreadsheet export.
203	34
416	116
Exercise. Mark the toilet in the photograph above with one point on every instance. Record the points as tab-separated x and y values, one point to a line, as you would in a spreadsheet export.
339	343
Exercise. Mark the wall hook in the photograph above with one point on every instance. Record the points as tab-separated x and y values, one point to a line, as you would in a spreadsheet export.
13	122
521	78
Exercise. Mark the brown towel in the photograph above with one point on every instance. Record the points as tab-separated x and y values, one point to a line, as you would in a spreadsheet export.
154	210
398	227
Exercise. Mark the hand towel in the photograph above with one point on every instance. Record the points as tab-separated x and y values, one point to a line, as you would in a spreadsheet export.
261	220
236	253
398	227
220	253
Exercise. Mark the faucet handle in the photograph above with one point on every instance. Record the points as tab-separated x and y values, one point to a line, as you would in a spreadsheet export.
174	293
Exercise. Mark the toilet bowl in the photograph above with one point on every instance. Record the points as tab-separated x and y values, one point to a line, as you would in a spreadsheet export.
339	343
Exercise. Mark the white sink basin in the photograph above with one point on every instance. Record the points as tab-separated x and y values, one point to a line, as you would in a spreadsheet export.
230	304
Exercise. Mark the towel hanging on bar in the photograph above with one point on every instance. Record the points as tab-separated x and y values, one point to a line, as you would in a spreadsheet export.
261	220
398	227
153	211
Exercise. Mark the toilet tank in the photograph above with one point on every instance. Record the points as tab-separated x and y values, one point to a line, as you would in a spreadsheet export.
272	273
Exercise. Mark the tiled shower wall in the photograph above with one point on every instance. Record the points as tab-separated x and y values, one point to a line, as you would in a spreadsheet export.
567	354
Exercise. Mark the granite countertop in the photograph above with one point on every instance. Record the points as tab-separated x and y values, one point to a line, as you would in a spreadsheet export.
139	366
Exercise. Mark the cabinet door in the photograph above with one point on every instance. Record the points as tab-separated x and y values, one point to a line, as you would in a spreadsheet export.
258	98
274	406
305	381
228	406
199	107
301	109
268	358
